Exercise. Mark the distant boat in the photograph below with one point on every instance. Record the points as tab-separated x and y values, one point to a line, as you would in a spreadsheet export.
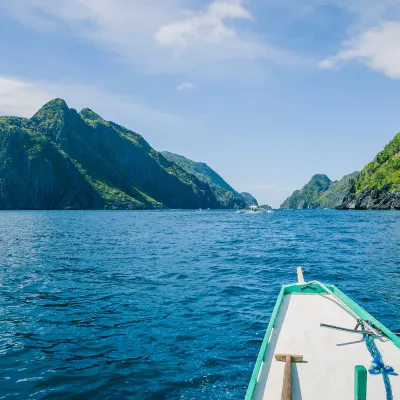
257	210
252	210
319	344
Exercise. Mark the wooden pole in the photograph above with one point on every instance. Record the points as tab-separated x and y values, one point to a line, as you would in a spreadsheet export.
287	380
287	373
300	277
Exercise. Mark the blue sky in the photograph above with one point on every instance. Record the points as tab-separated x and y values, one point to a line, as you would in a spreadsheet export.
268	93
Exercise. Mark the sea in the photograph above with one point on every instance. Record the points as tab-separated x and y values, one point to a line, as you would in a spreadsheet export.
170	304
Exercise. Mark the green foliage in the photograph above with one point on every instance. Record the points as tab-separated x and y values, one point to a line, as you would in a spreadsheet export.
249	199
334	196
226	196
383	170
309	194
64	159
321	192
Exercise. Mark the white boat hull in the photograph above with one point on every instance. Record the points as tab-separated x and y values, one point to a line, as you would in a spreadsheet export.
329	355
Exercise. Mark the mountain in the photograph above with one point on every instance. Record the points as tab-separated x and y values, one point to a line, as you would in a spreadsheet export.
337	191
225	194
308	196
321	192
62	159
249	199
378	186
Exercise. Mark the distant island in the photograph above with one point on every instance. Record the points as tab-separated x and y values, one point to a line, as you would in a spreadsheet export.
64	159
320	192
376	187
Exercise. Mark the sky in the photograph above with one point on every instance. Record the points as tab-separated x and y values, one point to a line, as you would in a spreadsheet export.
267	92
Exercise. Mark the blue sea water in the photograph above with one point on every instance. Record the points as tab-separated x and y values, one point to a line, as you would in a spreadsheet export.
171	304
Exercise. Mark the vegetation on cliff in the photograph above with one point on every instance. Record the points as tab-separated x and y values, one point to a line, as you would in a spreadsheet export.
308	196
62	159
249	199
337	191
384	170
378	185
225	194
321	192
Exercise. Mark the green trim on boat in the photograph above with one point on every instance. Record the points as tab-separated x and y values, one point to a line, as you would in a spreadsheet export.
365	315
306	289
253	381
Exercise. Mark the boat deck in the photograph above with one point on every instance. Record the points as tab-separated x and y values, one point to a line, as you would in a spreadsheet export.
329	355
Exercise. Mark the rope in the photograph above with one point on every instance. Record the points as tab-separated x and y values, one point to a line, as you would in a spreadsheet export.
377	366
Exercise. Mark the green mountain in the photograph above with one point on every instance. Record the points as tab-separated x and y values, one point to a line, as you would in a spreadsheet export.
320	192
61	159
337	191
308	196
249	199
383	170
378	185
225	194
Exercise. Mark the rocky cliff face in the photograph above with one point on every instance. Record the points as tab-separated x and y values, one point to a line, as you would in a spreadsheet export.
378	185
61	159
372	199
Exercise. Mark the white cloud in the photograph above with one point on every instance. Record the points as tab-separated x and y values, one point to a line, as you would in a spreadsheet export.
157	36
208	26
185	86
327	63
123	27
378	48
23	98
